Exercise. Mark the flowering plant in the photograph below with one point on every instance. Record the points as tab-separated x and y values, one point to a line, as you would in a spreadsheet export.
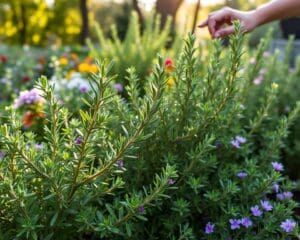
215	174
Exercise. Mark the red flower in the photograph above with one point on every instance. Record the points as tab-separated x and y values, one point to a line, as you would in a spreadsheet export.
25	79
3	59
169	62
169	65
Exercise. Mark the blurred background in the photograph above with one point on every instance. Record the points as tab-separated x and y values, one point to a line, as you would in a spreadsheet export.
65	22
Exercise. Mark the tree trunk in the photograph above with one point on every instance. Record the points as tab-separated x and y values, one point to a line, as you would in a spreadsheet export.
196	15
23	29
85	21
139	11
167	7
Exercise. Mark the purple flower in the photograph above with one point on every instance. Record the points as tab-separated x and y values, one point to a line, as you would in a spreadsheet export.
242	175
141	209
234	223
241	139
78	141
255	210
119	87
2	155
29	97
3	80
209	228
288	225
229	238
276	187
171	181
246	222
288	194
280	196
266	205
277	166
120	163
38	146
238	141
83	89
235	144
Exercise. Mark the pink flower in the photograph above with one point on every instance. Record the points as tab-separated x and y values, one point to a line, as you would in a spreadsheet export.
258	80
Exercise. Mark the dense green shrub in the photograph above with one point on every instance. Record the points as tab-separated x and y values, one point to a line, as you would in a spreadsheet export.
215	173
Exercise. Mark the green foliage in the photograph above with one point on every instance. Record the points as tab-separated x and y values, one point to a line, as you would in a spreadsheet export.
273	68
157	165
138	49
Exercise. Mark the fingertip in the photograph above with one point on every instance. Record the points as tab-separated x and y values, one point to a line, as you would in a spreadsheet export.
203	24
217	35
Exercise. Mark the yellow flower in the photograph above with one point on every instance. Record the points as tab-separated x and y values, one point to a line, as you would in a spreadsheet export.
170	83
83	67
93	68
63	61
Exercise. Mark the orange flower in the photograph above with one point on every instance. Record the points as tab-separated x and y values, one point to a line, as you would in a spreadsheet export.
42	61
88	59
74	56
29	117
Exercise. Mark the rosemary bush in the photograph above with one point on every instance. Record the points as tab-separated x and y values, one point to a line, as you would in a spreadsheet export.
263	69
184	160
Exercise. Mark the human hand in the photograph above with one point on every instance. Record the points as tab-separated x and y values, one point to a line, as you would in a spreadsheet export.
219	23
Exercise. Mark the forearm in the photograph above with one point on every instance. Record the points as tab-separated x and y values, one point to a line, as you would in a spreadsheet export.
276	10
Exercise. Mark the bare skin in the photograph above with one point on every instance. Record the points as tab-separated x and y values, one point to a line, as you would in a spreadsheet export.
219	23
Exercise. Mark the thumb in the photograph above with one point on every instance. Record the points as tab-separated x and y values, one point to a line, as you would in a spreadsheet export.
224	32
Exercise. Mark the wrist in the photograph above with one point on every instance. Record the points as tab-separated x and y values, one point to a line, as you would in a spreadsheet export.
256	18
263	14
